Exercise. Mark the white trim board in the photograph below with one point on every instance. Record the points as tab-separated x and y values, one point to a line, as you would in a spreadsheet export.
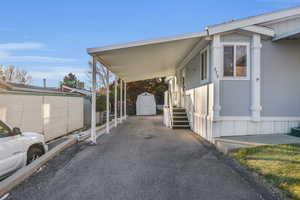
260	29
280	118
286	35
98	50
263	18
248	118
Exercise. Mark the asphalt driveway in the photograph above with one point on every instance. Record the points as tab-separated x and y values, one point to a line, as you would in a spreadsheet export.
141	160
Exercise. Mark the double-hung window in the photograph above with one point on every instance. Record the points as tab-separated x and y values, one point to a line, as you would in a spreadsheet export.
204	65
235	61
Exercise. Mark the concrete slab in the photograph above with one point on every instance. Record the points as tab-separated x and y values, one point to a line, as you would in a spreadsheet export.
230	143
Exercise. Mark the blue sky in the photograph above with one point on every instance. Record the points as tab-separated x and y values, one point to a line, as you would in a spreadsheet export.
49	38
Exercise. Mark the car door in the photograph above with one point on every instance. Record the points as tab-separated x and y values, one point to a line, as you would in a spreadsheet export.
11	150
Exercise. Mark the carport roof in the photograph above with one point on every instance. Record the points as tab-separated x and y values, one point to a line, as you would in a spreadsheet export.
159	57
148	58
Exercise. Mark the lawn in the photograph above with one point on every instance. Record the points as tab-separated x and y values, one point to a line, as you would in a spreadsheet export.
278	164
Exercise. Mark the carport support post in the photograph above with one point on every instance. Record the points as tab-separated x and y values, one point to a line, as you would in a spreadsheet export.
107	102
93	118
116	100
121	100
255	77
125	103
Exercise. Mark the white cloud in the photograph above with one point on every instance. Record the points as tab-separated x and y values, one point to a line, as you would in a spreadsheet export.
21	46
57	73
6	56
12	59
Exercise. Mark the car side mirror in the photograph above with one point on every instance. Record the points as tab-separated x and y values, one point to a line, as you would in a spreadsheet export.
16	131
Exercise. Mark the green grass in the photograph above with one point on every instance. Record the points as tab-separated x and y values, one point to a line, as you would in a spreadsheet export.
278	164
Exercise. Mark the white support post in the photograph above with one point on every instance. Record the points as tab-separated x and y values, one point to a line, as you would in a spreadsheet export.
216	66
121	100
93	111
125	104
116	100
255	77
107	102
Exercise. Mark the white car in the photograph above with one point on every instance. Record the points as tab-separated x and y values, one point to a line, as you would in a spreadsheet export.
18	149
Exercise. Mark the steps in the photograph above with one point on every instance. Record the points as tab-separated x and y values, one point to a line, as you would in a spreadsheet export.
180	119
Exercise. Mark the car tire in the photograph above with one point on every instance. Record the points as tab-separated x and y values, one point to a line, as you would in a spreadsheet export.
33	154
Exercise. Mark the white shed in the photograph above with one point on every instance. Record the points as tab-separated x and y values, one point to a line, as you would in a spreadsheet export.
145	104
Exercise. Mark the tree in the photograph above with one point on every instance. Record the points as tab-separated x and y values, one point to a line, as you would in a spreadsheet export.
13	74
70	80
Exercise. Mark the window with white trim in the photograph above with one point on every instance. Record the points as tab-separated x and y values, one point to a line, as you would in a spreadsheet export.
235	61
204	65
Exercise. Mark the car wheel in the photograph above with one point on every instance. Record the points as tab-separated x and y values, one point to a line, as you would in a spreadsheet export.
33	154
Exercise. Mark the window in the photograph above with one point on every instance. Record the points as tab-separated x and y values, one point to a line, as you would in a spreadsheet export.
235	60
203	65
4	130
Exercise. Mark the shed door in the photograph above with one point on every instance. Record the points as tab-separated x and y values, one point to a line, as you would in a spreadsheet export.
146	105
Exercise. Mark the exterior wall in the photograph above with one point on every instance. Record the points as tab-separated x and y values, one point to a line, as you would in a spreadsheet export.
192	73
280	74
279	93
54	116
235	99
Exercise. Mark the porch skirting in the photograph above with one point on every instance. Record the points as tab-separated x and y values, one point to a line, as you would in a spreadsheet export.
202	124
248	127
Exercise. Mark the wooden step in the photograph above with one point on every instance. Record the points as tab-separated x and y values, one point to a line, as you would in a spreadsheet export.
181	126
180	118
181	123
179	114
178	110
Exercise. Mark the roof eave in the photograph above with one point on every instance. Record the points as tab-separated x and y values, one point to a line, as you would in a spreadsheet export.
99	50
253	20
286	35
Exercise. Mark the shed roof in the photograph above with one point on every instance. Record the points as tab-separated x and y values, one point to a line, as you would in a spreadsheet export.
19	87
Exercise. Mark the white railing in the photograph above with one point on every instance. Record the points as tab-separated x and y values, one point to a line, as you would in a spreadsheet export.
171	108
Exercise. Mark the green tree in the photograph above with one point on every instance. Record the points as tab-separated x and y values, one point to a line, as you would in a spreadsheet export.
70	80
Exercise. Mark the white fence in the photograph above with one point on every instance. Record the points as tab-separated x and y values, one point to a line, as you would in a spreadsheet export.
199	105
54	116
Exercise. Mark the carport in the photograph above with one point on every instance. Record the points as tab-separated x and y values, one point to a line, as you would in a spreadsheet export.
140	60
